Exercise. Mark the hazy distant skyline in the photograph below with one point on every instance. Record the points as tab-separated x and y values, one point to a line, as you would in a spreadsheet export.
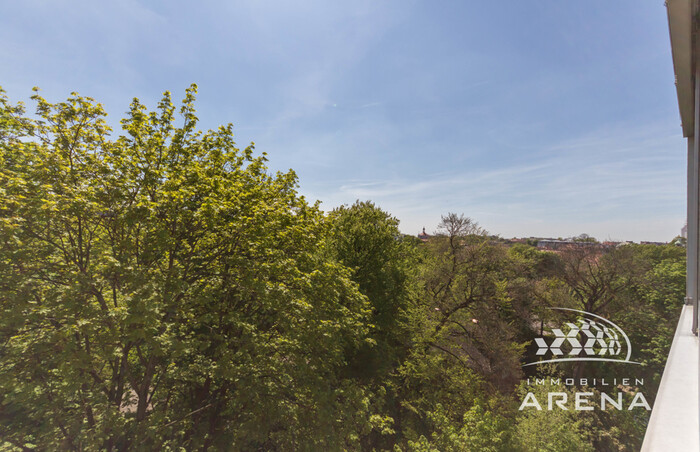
535	118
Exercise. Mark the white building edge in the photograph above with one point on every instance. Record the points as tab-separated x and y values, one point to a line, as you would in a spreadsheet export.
674	425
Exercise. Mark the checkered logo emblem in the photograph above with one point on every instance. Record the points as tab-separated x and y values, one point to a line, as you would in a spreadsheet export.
587	338
590	338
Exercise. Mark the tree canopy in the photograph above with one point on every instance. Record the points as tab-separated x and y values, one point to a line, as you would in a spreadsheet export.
161	289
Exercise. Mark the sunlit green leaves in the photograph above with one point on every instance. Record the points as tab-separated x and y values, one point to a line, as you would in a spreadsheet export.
163	288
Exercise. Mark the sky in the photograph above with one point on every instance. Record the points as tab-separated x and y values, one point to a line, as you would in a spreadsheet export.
543	118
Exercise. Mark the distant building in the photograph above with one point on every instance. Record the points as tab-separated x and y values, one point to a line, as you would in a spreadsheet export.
551	244
684	230
423	236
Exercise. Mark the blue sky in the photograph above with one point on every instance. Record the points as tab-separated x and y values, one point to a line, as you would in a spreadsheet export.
533	117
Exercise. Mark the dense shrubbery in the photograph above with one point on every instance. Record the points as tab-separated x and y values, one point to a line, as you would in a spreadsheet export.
162	290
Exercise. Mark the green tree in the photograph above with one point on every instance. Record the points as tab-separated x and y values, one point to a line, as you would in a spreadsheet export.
654	310
367	240
163	290
549	430
467	301
599	279
480	430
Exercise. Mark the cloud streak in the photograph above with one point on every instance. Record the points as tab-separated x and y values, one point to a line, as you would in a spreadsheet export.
593	183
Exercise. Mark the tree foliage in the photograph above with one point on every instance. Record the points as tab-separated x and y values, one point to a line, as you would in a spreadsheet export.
367	240
162	289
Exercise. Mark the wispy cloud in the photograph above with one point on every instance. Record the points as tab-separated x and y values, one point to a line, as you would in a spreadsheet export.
626	176
524	118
